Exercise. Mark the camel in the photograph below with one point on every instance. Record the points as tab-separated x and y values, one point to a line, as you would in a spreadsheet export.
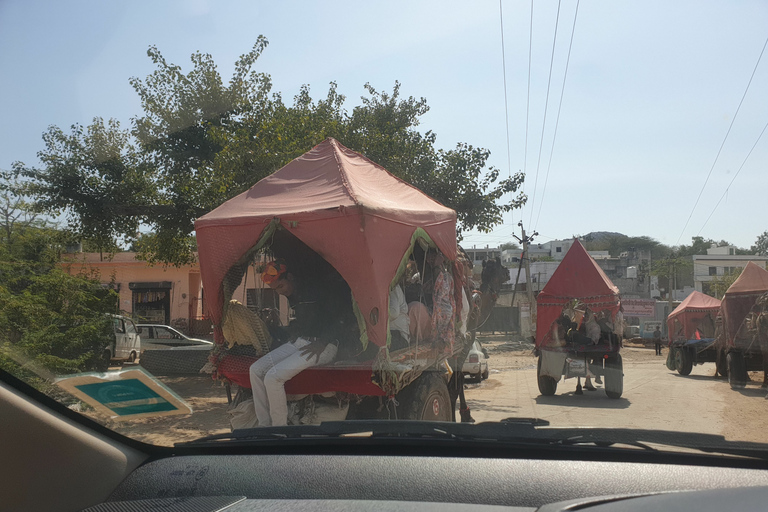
482	301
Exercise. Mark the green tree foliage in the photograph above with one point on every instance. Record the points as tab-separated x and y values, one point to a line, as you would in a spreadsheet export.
761	244
720	284
50	322
97	177
200	142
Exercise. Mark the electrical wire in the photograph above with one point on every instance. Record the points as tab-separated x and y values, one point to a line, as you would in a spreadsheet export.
723	144
528	99
506	103
733	179
546	105
557	121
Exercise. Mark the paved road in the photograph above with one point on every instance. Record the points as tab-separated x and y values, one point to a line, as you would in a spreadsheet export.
653	398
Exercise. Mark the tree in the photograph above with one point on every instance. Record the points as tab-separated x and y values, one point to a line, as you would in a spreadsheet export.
50	322
761	244
200	142
15	211
97	177
720	284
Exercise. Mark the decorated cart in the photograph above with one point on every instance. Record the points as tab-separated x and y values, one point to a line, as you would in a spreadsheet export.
691	328
578	292
738	340
333	210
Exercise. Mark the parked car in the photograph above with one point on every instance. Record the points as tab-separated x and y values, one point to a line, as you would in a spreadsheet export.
166	351
126	344
162	336
476	365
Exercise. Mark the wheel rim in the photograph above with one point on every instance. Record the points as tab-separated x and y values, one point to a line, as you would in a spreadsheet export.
434	408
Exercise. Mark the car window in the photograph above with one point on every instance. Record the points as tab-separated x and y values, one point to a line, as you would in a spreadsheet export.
575	189
163	333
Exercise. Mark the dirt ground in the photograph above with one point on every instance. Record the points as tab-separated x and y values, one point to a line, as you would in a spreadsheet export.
654	397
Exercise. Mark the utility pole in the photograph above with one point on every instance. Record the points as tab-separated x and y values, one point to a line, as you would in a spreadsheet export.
525	240
669	293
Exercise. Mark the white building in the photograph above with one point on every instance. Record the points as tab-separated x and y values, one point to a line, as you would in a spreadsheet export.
718	262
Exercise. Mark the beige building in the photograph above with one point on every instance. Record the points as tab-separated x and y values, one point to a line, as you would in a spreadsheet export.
166	295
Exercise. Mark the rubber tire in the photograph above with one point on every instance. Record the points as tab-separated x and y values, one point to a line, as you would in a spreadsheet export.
131	358
485	374
614	377
683	361
420	398
547	384
737	370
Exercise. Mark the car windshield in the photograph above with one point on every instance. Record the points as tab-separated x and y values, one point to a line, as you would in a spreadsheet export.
434	211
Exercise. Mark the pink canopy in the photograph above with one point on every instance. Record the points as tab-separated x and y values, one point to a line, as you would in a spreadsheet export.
349	210
578	276
741	296
691	311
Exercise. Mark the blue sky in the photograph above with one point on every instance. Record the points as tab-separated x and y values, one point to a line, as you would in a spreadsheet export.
652	88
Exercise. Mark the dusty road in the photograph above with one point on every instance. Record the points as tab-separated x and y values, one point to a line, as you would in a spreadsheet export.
654	397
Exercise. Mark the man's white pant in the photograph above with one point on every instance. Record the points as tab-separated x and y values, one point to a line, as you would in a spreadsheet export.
269	374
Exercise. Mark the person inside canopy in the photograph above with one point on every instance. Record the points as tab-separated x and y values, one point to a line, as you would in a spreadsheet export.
324	327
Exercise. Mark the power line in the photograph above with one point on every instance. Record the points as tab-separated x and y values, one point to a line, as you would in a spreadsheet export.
723	144
546	105
506	104
557	121
734	179
528	99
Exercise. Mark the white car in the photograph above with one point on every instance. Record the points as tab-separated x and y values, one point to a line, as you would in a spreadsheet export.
476	364
125	345
162	336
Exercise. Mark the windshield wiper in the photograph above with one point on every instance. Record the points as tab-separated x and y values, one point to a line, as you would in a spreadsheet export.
530	431
516	428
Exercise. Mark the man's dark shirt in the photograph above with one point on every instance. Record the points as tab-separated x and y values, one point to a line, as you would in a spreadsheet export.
323	312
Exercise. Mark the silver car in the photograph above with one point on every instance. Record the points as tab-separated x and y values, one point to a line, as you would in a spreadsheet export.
162	337
476	364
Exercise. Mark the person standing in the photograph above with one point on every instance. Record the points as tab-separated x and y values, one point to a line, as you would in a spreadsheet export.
657	340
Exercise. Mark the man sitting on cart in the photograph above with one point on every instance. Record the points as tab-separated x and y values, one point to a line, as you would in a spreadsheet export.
323	324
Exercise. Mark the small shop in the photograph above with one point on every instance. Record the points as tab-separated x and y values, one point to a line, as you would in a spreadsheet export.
152	302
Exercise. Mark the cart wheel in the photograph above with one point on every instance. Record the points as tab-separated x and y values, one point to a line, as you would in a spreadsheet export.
425	399
614	377
737	371
683	361
547	384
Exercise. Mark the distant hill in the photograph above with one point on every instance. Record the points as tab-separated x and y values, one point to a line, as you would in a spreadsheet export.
599	236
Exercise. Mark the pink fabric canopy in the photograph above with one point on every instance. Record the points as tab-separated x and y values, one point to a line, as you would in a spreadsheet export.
694	308
578	276
741	296
349	210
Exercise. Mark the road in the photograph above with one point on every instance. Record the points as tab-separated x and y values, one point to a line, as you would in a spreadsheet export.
653	398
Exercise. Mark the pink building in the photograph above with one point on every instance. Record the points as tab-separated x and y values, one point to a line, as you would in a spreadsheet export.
166	295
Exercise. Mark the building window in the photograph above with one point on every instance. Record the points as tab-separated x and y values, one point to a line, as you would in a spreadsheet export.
713	271
730	251
558	249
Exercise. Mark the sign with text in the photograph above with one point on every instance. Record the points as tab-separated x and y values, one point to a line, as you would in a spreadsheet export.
639	307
